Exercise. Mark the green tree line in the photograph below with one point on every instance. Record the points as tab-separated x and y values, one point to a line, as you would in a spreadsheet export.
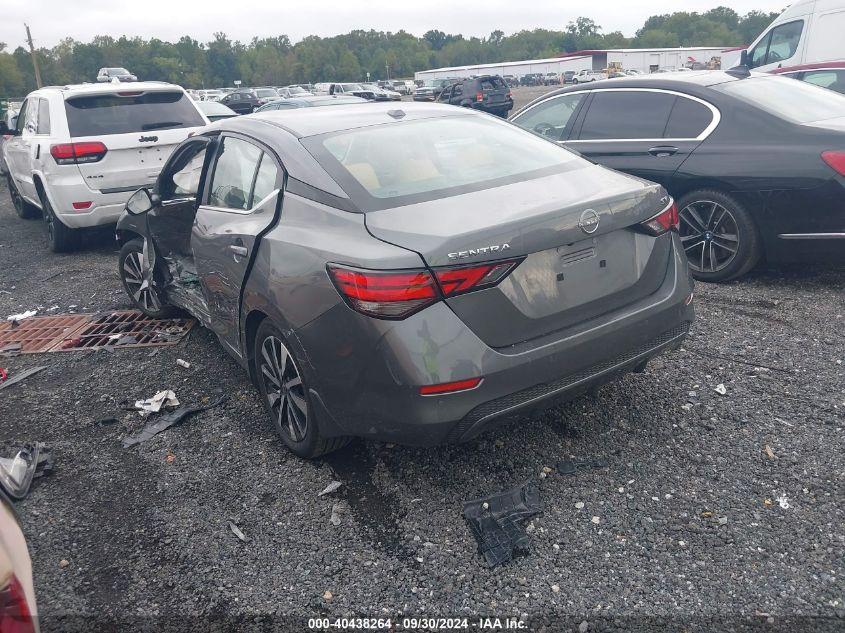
349	57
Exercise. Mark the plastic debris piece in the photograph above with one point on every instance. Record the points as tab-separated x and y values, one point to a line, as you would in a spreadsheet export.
237	532
769	451
155	404
494	521
721	389
3	374
30	462
15	318
15	378
332	487
783	502
337	510
166	421
183	363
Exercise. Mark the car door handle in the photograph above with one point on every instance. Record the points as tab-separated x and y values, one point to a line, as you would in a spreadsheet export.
239	251
663	150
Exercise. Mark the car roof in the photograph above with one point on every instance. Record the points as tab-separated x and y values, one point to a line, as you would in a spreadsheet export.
105	88
303	122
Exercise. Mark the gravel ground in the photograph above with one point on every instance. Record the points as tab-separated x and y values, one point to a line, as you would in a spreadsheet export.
712	508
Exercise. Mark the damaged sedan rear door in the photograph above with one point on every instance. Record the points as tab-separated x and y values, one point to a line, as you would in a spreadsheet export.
239	204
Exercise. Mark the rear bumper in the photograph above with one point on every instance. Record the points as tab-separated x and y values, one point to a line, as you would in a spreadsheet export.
105	208
367	373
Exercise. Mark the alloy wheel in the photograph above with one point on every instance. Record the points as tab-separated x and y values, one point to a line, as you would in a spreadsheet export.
284	389
709	234
138	285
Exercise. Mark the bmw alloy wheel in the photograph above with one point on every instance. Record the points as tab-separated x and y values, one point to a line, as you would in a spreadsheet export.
709	234
284	389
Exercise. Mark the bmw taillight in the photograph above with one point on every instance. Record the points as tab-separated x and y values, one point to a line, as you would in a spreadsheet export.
15	614
836	160
397	294
666	220
76	153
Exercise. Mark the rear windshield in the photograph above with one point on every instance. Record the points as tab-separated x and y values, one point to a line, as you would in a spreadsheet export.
402	163
266	92
492	83
795	101
97	115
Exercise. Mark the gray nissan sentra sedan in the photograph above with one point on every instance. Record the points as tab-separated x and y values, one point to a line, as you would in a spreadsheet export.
414	275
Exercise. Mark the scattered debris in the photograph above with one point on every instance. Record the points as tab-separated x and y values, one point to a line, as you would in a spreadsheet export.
63	563
769	451
721	389
596	520
26	373
3	374
17	473
183	363
579	505
337	510
166	421
783	502
165	398
327	595
494	522
237	532
332	487
572	466
15	318
10	349
723	520
555	588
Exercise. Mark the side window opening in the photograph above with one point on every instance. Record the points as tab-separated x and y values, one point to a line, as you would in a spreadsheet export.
43	116
552	118
614	115
234	175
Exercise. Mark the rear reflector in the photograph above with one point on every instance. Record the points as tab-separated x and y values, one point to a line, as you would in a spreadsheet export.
84	152
15	615
836	160
666	220
460	279
450	387
393	294
81	206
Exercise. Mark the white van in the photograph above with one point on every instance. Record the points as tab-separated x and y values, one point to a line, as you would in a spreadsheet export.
808	31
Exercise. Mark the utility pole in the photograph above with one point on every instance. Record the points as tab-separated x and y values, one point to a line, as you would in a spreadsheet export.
34	57
387	68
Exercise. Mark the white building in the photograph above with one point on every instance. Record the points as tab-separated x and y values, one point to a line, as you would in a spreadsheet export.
645	60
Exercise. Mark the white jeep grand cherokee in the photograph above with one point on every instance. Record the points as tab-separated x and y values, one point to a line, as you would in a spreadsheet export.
78	152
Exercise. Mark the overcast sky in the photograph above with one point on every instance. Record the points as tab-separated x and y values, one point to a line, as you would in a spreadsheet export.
52	20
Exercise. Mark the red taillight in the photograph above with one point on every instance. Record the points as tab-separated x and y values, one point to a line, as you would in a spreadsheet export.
836	160
479	97
15	615
81	206
84	152
450	387
460	279
396	294
666	220
392	294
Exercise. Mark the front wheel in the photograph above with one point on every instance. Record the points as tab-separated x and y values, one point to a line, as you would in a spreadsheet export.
144	295
720	238
286	396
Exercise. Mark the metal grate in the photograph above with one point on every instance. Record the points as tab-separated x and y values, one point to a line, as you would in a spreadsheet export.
69	332
39	334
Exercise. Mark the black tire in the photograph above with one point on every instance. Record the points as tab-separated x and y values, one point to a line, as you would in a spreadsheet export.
60	238
145	298
720	237
22	207
286	399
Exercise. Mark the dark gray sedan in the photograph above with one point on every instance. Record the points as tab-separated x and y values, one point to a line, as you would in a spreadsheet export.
414	275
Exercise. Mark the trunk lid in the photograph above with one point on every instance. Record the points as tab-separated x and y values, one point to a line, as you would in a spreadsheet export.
140	129
568	274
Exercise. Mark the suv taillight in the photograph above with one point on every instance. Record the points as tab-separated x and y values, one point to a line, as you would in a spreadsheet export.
479	97
836	160
83	152
666	220
15	615
397	294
